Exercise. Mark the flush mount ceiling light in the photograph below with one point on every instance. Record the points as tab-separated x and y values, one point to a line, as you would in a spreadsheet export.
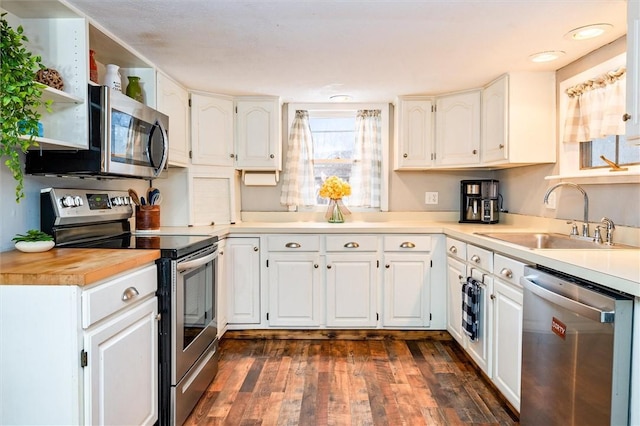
550	55
340	98
588	31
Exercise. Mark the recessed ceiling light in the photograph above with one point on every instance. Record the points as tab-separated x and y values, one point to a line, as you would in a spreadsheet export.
550	55
340	98
588	31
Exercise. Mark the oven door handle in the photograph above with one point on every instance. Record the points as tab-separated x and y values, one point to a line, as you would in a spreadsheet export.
196	262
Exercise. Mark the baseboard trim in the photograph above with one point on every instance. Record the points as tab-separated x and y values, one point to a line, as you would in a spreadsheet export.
341	334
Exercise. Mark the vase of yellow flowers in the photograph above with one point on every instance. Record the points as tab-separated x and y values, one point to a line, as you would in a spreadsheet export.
334	189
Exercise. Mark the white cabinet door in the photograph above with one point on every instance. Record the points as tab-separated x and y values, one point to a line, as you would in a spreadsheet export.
494	121
211	130
351	290
221	282
507	340
294	289
173	100
258	134
121	376
406	290
633	72
414	137
456	274
458	129
480	349
243	280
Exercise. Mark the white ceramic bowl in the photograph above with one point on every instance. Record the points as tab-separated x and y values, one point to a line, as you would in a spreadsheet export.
34	246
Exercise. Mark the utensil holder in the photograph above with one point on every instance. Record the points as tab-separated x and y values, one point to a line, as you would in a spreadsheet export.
147	218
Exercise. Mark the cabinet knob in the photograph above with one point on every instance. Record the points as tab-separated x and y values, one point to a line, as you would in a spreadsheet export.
475	258
231	156
387	266
453	249
272	156
315	265
292	245
158	317
352	244
506	272
407	244
461	278
493	296
405	155
474	152
328	266
255	249
501	146
129	293
626	117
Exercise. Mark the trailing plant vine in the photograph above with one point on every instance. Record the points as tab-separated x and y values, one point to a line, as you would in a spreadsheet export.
20	97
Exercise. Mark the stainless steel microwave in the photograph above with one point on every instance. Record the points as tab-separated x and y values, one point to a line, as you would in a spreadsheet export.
126	139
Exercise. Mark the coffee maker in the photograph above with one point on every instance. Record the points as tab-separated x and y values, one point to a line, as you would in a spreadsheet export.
479	201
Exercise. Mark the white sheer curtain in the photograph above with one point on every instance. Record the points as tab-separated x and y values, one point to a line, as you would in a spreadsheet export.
366	172
596	107
298	188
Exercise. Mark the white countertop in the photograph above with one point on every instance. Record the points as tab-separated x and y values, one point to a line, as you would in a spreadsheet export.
617	269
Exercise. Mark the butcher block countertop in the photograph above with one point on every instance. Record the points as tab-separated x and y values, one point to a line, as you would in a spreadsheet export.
69	266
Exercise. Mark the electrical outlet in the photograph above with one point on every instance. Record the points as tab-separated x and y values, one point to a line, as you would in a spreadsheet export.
431	198
551	201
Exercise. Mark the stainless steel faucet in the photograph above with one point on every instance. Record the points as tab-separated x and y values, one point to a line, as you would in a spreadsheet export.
585	222
610	227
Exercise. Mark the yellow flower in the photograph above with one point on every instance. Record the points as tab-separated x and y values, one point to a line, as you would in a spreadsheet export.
333	187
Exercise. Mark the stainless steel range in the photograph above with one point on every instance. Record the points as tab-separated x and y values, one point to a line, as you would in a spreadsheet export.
188	344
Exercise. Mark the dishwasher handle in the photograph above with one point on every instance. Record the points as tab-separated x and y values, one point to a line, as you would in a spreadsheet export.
586	311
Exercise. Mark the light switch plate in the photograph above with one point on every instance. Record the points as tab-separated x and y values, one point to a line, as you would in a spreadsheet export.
431	198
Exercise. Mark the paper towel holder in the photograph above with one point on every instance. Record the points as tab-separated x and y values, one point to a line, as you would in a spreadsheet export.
260	178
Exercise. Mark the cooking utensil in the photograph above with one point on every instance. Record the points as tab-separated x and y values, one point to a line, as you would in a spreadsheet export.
143	201
134	197
152	194
156	199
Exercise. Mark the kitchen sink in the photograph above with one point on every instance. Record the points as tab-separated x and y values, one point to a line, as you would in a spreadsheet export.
545	240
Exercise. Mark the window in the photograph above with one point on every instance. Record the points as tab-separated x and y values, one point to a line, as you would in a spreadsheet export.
333	129
614	148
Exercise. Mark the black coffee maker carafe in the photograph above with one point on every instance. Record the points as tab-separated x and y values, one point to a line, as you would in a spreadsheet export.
479	201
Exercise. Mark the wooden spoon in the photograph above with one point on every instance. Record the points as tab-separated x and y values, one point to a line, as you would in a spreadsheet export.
134	197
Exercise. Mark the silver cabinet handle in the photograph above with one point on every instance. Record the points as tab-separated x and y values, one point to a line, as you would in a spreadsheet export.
475	258
129	293
292	245
506	272
407	244
352	244
453	249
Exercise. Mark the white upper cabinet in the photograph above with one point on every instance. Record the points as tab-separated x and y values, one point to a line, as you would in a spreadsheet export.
633	72
458	129
414	133
518	119
173	100
212	130
258	133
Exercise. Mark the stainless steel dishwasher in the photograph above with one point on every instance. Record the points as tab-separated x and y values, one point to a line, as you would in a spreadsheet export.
576	351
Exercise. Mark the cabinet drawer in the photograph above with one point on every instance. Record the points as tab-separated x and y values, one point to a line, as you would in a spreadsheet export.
352	243
294	243
408	243
481	258
456	249
103	300
508	269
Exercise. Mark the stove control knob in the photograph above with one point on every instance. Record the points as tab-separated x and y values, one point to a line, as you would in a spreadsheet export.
67	201
77	201
116	201
126	200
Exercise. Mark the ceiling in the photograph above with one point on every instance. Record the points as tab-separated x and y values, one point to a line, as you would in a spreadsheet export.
373	50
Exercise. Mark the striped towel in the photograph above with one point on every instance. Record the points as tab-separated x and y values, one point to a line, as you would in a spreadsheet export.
471	308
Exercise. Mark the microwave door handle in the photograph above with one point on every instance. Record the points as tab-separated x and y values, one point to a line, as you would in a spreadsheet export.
196	262
157	126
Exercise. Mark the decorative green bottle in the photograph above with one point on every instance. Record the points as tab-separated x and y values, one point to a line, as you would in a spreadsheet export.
134	90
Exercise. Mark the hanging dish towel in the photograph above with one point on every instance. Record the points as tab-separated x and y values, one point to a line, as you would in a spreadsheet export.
471	307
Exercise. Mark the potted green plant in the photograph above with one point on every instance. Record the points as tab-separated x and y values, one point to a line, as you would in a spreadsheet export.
20	97
33	241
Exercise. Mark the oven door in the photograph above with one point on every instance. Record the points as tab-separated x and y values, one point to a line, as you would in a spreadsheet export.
194	320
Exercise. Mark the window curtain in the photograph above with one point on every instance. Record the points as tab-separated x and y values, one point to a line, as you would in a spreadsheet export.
366	172
298	188
596	107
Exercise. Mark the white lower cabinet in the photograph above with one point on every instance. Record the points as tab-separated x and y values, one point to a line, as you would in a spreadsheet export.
456	274
242	257
295	281
507	328
80	355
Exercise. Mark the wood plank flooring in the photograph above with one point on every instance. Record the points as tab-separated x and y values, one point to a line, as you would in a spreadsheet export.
347	382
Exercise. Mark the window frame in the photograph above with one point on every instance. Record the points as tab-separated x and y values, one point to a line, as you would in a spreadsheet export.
384	133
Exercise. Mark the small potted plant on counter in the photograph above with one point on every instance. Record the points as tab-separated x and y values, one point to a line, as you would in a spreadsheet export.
33	241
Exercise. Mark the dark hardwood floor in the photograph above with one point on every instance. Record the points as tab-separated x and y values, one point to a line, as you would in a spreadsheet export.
347	382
